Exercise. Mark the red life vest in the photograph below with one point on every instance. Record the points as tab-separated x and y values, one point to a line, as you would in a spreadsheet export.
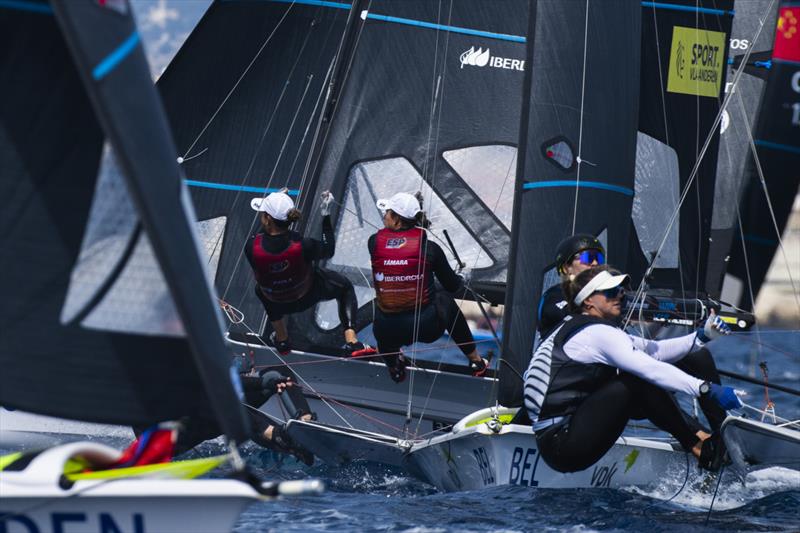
402	274
285	276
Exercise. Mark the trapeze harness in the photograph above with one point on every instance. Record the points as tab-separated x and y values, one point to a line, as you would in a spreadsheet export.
403	276
284	276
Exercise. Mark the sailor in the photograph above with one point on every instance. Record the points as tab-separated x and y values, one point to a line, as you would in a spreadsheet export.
410	309
287	279
588	378
582	251
573	255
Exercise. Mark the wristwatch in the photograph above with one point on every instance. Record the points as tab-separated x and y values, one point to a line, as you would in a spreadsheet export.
705	387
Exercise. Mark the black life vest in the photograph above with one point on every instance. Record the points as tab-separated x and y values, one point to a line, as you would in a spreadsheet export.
403	277
284	276
556	385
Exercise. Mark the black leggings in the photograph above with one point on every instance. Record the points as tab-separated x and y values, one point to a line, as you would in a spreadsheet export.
327	286
393	330
597	423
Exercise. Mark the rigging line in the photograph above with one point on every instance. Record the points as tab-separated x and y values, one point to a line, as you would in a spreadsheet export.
429	176
695	168
763	182
235	85
580	127
299	376
269	181
338	99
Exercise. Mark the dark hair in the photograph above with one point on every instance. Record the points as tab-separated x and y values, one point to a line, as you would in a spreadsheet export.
294	215
572	286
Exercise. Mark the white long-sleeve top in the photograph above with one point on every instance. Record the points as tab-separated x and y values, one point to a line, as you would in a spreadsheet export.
647	359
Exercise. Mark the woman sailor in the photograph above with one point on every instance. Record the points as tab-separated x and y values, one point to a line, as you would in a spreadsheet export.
287	280
588	378
582	251
410	309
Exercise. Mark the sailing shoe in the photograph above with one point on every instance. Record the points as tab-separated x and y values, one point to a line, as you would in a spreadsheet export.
283	347
284	443
355	349
713	454
478	368
398	371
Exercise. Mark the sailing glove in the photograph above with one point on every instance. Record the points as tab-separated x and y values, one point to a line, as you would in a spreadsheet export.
326	199
713	328
724	396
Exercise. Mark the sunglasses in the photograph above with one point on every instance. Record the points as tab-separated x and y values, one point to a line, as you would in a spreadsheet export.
613	293
587	257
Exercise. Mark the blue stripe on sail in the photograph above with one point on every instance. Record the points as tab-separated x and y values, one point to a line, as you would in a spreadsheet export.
693	9
778	146
321	3
573	183
785	61
453	29
22	5
115	58
755	239
243	188
412	22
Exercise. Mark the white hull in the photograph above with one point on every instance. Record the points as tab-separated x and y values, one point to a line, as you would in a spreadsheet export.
752	443
477	457
37	497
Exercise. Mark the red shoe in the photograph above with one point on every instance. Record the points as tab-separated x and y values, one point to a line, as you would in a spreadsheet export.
478	368
356	349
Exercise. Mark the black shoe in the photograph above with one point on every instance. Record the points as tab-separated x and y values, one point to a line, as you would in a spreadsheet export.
283	347
282	442
478	368
398	371
713	454
358	348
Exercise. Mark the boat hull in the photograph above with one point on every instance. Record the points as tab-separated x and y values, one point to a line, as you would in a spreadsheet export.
360	393
478	457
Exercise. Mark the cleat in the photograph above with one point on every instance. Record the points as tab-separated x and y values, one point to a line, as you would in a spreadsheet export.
283	347
478	368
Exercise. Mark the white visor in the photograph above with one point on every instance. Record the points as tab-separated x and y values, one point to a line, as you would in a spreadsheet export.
604	280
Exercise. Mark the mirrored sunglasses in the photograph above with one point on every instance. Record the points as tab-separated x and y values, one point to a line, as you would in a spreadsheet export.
612	293
587	257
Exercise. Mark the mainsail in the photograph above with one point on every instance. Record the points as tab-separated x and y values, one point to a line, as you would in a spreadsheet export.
772	177
108	313
577	153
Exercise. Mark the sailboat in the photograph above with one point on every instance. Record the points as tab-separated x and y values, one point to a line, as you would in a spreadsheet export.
294	101
584	159
108	314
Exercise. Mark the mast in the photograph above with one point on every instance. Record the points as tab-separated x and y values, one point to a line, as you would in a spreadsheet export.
579	143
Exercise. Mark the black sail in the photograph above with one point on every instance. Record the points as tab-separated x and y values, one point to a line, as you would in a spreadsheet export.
107	314
244	96
776	138
752	42
429	102
684	57
581	99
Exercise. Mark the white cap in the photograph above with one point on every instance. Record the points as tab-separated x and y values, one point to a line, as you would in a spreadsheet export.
404	204
277	205
602	281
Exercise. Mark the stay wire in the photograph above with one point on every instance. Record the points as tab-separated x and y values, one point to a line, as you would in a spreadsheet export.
580	127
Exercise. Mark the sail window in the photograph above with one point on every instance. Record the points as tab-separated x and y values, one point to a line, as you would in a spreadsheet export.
560	153
359	218
489	171
657	191
116	284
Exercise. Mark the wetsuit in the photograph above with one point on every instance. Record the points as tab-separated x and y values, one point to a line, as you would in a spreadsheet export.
699	363
411	309
288	281
579	403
